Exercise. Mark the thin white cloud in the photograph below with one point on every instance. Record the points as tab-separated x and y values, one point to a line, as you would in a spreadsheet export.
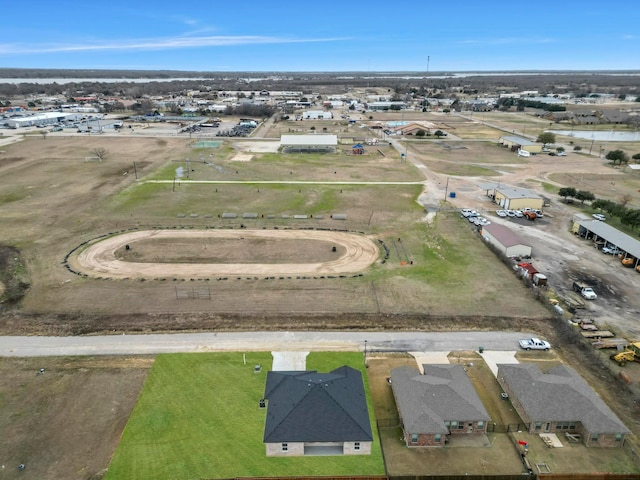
159	44
505	41
629	37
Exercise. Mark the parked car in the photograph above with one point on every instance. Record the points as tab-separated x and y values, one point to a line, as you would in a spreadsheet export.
599	216
511	213
519	213
534	343
561	154
501	213
610	250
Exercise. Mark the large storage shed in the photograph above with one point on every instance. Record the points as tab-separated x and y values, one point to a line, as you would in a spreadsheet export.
506	241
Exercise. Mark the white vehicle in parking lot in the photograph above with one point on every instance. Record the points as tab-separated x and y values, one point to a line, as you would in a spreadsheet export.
610	250
511	213
519	213
534	343
599	216
501	213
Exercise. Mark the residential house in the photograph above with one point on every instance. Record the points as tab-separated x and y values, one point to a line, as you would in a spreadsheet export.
561	402
311	413
436	404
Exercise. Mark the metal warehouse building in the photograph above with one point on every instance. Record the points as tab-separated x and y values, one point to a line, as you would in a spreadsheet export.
45	118
309	143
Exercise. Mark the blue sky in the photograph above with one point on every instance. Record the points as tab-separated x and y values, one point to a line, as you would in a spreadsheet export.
322	36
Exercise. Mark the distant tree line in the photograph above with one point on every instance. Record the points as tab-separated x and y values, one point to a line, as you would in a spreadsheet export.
581	84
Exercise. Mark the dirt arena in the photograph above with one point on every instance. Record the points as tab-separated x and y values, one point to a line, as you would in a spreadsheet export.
231	252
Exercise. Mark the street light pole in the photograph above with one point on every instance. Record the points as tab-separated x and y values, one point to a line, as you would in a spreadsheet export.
365	353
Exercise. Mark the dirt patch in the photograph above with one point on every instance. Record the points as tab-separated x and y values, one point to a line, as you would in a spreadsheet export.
67	421
14	281
227	250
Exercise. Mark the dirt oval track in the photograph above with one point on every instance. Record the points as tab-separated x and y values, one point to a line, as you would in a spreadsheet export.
99	258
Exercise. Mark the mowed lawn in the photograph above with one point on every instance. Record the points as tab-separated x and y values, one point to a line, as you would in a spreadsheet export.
198	417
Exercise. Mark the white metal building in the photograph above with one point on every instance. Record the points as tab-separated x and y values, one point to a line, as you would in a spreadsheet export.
317	115
44	118
309	143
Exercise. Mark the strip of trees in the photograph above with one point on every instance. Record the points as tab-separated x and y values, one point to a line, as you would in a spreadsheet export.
628	216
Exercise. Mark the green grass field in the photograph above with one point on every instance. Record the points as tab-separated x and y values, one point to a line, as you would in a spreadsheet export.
198	417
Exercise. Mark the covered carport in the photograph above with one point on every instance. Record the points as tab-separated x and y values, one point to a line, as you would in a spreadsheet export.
603	235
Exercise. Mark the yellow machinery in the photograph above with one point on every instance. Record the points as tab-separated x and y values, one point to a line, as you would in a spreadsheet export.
631	353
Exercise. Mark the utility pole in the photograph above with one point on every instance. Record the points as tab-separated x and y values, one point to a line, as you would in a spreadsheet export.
365	353
446	189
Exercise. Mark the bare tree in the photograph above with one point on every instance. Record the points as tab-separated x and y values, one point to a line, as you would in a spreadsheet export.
100	152
44	133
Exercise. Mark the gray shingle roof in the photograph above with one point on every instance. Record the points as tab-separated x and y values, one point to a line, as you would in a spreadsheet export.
443	393
559	395
316	407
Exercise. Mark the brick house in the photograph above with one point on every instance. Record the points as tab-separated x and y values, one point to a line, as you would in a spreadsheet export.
311	413
436	404
560	401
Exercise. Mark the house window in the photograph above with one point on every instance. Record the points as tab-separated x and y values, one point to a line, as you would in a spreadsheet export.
414	438
480	425
454	425
356	446
594	437
446	424
460	425
538	425
437	438
618	437
285	447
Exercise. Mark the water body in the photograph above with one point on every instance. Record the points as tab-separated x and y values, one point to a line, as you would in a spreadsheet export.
63	81
600	136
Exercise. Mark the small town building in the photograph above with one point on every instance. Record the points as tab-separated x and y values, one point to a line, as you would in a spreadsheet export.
312	413
317	115
515	143
436	404
515	198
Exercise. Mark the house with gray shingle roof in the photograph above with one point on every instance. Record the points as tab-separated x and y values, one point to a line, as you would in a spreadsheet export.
560	401
436	404
312	413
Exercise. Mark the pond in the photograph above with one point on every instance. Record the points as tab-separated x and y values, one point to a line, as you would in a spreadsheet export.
600	136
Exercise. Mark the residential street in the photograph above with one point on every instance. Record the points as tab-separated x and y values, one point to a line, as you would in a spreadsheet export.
33	346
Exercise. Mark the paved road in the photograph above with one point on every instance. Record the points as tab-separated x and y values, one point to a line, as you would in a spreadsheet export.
33	346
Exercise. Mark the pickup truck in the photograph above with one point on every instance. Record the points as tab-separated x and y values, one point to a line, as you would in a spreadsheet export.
534	343
585	291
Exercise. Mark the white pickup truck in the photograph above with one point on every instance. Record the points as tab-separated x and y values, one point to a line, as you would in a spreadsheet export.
585	291
534	343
